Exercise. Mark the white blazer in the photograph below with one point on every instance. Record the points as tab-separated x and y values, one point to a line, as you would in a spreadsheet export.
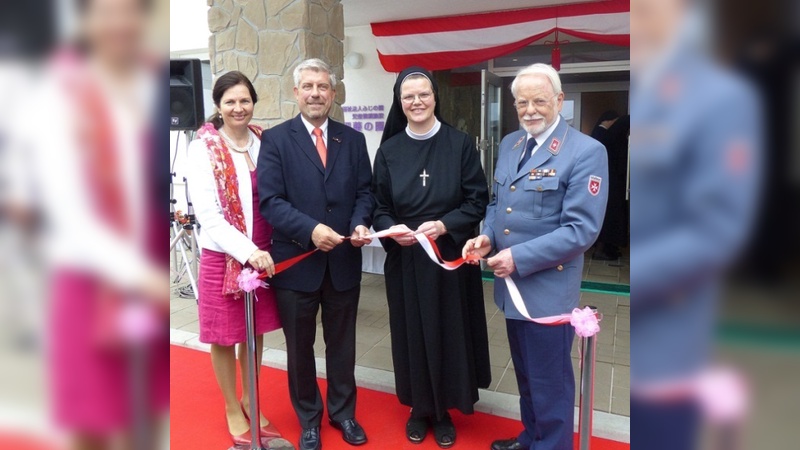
216	233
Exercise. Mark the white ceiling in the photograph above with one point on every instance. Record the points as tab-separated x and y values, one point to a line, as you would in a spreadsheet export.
364	12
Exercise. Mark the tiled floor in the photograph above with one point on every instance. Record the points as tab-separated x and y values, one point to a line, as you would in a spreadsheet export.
373	347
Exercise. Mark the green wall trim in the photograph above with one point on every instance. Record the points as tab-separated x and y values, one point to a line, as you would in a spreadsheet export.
761	335
587	286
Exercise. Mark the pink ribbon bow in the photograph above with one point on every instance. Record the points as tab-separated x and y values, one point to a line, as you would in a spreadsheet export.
249	281
585	322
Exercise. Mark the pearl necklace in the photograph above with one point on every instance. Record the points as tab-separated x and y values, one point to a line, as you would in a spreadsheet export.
233	146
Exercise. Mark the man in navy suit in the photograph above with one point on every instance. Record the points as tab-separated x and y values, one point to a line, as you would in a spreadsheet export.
314	179
550	193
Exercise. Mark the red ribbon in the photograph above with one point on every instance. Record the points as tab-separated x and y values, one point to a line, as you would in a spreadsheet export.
284	265
454	264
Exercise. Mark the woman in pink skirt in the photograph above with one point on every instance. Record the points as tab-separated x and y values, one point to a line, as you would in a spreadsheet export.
223	188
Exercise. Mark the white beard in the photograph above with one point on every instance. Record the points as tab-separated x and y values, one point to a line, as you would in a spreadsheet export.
536	129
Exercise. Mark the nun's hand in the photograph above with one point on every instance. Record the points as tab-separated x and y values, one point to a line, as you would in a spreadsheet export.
432	229
404	235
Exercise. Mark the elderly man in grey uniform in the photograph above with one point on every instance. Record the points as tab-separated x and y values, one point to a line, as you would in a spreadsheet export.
550	196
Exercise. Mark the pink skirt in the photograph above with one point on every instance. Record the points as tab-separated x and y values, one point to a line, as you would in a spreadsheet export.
222	316
90	382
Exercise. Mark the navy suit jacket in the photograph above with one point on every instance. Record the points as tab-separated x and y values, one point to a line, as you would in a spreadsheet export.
297	193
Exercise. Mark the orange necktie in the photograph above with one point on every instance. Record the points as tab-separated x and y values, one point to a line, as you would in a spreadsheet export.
321	149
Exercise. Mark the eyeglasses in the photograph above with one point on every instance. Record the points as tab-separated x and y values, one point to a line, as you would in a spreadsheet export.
423	97
539	102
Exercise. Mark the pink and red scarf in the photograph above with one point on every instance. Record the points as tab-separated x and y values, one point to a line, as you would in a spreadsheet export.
228	192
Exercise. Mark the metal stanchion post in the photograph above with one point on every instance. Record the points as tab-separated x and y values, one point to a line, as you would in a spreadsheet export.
252	376
142	434
588	351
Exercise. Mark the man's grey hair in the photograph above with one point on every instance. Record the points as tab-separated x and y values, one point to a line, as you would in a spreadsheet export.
538	69
316	65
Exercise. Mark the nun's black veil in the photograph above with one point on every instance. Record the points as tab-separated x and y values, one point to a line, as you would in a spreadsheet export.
396	121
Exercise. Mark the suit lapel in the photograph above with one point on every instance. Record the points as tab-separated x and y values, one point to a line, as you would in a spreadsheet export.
335	132
304	142
548	149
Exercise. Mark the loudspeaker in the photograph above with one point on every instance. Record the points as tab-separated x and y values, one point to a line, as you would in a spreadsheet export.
18	38
185	94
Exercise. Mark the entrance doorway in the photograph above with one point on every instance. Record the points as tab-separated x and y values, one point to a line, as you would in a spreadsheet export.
479	102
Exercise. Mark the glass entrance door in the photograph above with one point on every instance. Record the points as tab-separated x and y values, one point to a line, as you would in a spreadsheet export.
491	122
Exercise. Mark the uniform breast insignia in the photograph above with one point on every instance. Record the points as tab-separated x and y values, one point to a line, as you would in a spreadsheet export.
519	142
538	174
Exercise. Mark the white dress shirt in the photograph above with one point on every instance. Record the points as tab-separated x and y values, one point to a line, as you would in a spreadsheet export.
310	127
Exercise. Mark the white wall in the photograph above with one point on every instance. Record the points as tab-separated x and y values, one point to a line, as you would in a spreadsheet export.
188	24
370	84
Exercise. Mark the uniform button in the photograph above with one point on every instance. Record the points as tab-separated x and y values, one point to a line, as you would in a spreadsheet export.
513	188
560	268
329	209
539	188
507	231
508	210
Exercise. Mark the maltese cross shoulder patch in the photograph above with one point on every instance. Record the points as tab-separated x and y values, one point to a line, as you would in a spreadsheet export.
594	184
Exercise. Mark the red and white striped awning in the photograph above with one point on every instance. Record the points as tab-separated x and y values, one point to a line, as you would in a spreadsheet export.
440	43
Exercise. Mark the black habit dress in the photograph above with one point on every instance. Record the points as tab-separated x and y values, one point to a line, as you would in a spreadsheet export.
437	317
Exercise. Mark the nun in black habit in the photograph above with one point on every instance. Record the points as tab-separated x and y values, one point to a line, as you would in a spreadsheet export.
428	179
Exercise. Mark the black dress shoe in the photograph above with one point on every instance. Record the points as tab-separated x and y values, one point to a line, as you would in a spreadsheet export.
507	444
352	433
309	439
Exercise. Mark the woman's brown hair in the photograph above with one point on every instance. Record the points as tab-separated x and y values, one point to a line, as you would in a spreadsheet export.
223	83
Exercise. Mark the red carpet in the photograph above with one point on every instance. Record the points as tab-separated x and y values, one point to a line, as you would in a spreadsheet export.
19	440
198	421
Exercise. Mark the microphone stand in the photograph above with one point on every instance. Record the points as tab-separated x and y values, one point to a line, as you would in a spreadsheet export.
180	231
192	225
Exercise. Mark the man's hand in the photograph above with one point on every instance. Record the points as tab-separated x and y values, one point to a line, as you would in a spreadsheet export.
262	262
325	238
480	246
432	229
502	263
406	238
357	239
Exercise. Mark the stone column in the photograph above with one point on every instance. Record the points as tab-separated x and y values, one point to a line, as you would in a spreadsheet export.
266	39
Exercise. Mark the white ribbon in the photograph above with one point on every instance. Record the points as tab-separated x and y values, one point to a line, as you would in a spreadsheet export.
573	318
516	298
